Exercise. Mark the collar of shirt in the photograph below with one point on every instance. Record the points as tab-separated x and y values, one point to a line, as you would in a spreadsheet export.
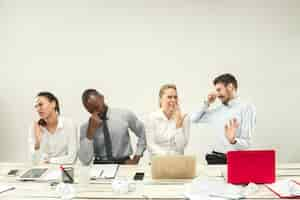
108	114
161	115
233	102
60	125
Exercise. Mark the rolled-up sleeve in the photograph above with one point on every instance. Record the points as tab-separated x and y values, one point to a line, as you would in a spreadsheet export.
247	126
181	136
86	149
202	116
138	128
33	155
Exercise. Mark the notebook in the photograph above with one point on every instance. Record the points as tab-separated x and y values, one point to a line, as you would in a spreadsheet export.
285	188
251	166
107	171
173	167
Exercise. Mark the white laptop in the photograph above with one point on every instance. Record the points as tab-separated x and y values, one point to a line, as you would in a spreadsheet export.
173	167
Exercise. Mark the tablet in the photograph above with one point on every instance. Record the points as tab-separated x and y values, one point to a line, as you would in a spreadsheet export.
33	174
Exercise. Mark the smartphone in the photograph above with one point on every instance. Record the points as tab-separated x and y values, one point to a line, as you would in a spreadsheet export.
139	176
12	172
42	122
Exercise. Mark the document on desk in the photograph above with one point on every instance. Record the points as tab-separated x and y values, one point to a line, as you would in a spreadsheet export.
285	188
52	174
104	171
212	189
5	188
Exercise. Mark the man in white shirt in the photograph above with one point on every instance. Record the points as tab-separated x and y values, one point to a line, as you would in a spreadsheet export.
234	120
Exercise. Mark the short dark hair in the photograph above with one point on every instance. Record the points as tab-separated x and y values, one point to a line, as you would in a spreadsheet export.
226	79
51	97
89	92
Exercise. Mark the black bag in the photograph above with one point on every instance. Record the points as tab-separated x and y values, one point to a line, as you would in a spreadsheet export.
215	158
99	161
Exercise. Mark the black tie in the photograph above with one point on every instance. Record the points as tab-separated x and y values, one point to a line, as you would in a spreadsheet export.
107	139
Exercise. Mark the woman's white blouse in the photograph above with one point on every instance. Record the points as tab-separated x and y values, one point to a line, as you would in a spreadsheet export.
163	138
59	147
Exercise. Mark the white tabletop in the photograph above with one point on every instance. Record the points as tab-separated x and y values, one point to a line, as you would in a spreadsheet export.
146	189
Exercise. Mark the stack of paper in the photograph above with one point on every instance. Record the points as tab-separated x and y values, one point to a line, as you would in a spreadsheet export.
212	189
285	188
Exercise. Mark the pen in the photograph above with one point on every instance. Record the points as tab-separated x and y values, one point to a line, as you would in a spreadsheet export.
12	188
227	196
66	173
101	173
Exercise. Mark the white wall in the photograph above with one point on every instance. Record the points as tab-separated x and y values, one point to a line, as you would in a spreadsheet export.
127	49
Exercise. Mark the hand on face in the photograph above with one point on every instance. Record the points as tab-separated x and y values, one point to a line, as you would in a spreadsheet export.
95	121
94	106
211	97
178	116
230	130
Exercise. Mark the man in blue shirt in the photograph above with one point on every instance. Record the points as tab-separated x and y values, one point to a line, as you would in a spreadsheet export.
234	119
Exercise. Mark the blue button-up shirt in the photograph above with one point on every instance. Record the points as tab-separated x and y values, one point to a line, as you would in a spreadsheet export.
220	116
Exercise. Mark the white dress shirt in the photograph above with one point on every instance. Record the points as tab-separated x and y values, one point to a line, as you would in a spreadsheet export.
59	147
162	135
220	116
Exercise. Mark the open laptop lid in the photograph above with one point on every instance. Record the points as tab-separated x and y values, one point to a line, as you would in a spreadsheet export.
257	166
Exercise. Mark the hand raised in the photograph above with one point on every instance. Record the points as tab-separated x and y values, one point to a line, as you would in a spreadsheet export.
179	117
211	97
230	130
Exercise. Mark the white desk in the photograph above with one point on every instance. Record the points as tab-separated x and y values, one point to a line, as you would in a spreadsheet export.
147	189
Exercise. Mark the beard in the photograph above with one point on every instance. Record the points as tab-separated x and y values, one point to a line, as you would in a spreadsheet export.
224	100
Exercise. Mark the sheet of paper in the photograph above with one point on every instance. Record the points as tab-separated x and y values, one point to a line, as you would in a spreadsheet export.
202	188
285	188
4	188
52	174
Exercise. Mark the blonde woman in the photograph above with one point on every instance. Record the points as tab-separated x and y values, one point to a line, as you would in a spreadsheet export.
167	129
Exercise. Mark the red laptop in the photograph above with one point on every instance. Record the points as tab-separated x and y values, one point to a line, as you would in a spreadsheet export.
251	166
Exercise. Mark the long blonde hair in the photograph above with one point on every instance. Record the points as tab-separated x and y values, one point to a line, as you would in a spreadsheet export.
163	88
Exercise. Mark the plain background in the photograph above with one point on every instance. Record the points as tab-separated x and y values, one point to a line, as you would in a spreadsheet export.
128	48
